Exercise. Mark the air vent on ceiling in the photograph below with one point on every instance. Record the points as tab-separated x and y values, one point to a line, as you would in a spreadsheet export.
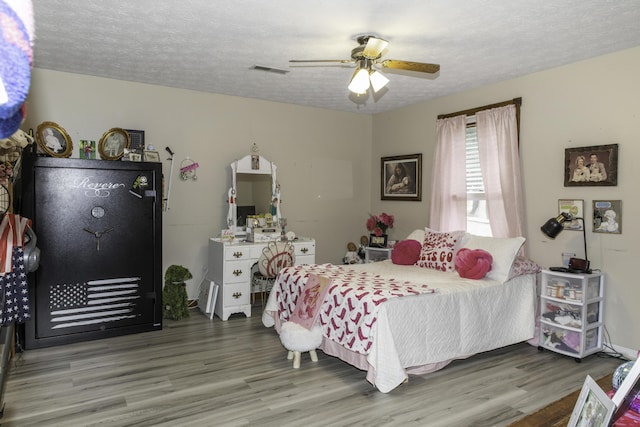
269	69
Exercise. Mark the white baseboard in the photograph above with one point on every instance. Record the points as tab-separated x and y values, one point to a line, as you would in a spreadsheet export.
629	353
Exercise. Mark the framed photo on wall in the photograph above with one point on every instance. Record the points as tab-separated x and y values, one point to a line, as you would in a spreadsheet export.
591	166
576	209
607	216
401	177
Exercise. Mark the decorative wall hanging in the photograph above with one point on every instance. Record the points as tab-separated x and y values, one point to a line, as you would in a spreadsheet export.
401	177
113	143
607	216
188	169
591	166
53	140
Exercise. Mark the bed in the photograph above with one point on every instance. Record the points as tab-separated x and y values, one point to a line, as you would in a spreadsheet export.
392	320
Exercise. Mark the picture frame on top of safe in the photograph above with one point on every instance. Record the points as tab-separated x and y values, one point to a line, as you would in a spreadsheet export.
53	140
591	166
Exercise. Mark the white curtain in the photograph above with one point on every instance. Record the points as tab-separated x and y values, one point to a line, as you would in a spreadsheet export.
500	164
448	176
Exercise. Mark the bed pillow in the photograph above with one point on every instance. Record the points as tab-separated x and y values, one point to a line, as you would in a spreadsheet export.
439	249
473	263
417	235
502	249
406	252
523	265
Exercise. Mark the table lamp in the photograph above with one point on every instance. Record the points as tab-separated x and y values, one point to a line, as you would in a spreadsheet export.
553	227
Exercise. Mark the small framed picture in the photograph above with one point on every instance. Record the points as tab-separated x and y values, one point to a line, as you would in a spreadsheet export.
593	408
113	143
378	241
607	216
136	139
151	156
591	166
87	149
53	140
401	177
576	209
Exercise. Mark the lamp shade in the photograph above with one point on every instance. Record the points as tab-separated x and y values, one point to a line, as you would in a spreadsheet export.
378	80
360	82
553	226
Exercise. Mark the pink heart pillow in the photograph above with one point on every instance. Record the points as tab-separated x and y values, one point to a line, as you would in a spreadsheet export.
406	252
473	263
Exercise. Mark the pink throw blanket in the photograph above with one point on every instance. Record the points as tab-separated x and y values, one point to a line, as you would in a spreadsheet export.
348	313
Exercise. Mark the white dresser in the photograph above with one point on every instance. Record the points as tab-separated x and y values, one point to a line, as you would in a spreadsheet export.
230	267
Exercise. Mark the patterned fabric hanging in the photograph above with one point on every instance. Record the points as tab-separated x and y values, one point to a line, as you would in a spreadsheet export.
14	293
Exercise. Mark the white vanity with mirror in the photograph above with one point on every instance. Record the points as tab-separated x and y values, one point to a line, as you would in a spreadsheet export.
254	191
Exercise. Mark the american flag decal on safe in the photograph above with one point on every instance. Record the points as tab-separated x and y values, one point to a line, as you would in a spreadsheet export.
95	301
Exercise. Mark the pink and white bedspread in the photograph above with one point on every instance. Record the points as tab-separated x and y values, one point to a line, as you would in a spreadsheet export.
348	313
422	320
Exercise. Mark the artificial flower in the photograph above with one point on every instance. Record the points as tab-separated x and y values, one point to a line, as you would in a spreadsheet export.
378	224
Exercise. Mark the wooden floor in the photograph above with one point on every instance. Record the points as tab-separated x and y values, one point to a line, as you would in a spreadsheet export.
197	372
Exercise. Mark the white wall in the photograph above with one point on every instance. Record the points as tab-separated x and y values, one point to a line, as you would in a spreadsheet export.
594	102
323	157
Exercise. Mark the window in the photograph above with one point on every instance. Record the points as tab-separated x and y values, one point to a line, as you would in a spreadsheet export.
477	214
486	139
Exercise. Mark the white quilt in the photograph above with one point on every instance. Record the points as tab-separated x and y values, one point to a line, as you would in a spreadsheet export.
424	332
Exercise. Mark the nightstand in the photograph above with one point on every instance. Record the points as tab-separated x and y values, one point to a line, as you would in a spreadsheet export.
376	254
571	313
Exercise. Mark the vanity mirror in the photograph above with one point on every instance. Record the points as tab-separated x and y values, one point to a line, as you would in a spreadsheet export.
254	190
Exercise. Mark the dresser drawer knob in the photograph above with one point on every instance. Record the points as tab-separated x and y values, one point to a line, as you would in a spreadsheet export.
237	295
237	272
304	250
237	254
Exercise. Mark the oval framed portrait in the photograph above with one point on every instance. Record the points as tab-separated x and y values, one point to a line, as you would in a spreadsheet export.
113	143
53	140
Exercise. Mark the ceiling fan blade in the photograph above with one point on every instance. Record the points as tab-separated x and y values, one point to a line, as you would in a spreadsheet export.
420	67
374	47
343	61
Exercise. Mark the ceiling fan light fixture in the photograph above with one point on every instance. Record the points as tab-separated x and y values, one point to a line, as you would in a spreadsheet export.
374	47
360	81
378	80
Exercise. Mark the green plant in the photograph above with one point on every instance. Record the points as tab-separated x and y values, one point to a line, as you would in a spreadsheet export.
174	294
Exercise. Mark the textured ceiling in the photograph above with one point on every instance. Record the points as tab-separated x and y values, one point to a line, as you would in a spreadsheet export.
210	46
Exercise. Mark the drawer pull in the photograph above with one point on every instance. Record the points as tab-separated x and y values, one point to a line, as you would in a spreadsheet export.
237	295
237	272
237	254
304	250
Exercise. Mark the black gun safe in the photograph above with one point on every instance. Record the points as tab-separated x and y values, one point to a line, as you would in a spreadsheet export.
99	229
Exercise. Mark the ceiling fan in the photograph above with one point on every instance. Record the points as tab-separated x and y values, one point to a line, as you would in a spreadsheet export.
367	57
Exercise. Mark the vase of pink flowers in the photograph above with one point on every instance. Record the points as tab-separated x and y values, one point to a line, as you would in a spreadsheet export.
378	226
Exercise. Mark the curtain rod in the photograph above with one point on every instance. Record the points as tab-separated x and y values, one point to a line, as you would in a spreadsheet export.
515	101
